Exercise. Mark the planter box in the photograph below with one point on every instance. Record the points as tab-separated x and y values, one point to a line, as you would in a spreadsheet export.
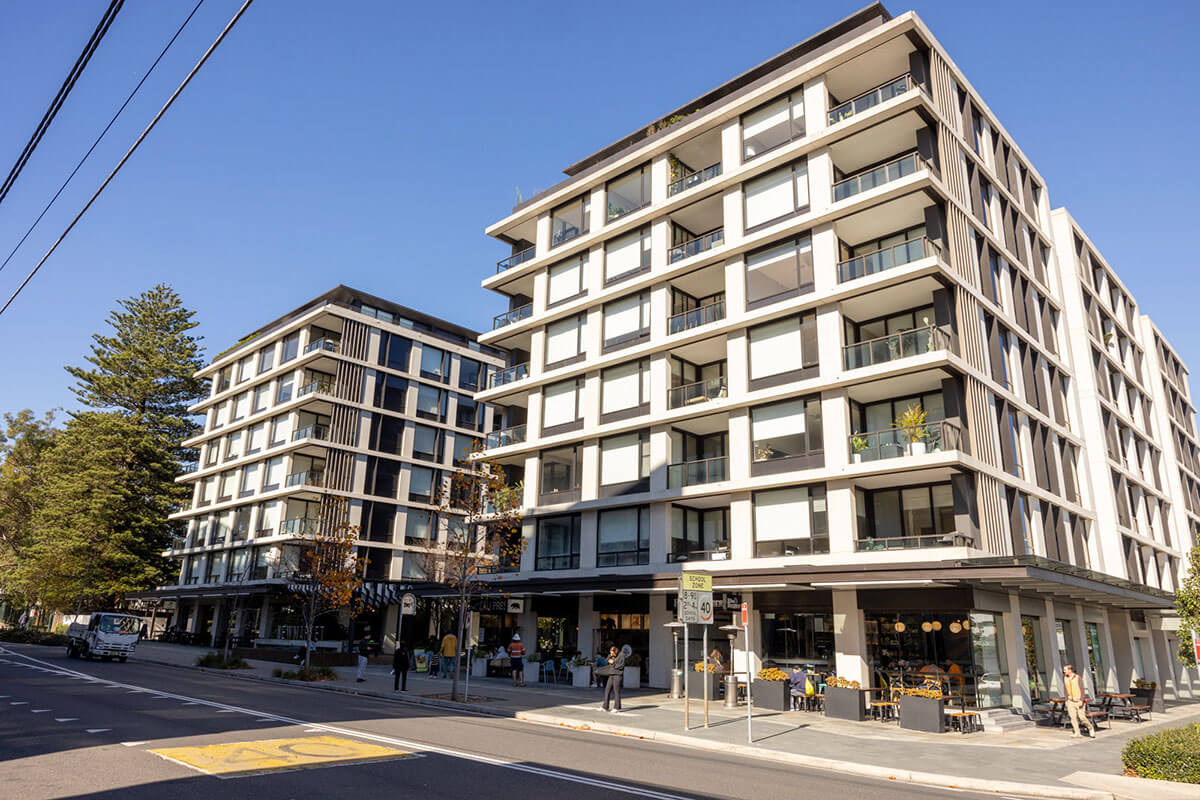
775	695
581	677
632	679
531	671
1153	697
695	685
479	668
922	714
845	704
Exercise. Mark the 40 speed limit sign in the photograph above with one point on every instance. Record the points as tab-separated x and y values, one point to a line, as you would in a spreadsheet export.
695	598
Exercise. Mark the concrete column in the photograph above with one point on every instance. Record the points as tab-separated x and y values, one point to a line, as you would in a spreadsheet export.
741	526
532	478
849	637
1121	641
816	106
660	532
193	622
731	145
1014	653
660	176
739	457
529	551
265	621
1054	664
825	259
1165	661
733	213
585	634
660	459
599	209
660	384
588	522
1111	681
660	310
542	236
388	635
660	243
659	675
835	420
589	470
527	627
842	515
820	180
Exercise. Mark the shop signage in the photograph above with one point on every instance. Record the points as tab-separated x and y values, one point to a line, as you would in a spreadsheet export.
1196	645
408	604
695	599
745	614
515	605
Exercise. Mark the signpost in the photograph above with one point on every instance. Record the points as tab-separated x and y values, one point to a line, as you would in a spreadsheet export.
749	667
695	607
1196	645
408	607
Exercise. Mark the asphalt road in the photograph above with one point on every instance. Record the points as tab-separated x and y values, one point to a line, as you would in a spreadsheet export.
89	730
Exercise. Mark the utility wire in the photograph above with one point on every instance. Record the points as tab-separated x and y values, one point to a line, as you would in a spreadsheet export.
60	98
101	136
170	101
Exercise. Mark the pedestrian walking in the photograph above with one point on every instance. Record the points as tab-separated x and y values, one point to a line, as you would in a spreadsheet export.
449	654
516	660
364	647
400	664
1076	703
614	670
142	632
435	668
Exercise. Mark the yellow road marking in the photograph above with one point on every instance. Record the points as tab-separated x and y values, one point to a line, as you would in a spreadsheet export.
235	759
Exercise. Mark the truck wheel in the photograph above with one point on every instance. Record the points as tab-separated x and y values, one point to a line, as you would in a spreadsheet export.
106	658
122	659
71	650
86	652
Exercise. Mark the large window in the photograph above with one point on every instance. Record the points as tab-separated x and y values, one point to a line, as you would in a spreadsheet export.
699	534
262	398
778	194
564	340
566	280
774	124
266	359
390	393
780	271
431	403
560	474
284	388
291	348
570	220
379	521
468	414
623	537
628	193
386	433
423	483
787	430
625	386
791	521
383	477
273	475
435	363
627	321
918	516
561	404
281	429
627	255
557	542
784	346
394	351
625	459
419	525
427	443
470	374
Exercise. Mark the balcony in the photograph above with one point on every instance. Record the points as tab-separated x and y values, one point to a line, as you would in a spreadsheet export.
871	98
695	473
952	539
311	432
893	170
895	346
300	525
889	257
503	438
699	392
693	179
716	554
325	344
505	376
322	386
514	260
916	440
515	315
696	246
312	477
696	317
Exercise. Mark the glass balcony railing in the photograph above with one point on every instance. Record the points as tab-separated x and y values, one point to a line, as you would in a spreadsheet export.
917	440
513	373
882	260
716	554
326	344
703	315
298	525
515	315
871	98
896	346
514	260
312	477
696	246
698	392
311	432
323	386
885	173
951	539
693	179
700	471
503	438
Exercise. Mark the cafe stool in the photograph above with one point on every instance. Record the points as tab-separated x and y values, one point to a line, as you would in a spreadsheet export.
965	721
884	710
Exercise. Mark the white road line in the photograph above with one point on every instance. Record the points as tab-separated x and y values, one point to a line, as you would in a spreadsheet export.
40	710
227	711
66	719
19	703
415	746
134	744
98	730
264	719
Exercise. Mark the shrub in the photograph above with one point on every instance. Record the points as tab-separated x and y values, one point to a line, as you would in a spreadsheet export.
310	674
217	661
27	636
1170	755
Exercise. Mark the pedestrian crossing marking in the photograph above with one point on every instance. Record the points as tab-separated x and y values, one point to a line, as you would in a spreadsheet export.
239	759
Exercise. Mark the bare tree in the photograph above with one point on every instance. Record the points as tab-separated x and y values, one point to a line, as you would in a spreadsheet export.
330	574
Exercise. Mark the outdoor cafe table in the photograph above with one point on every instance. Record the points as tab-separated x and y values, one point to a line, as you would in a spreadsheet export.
1110	705
1058	708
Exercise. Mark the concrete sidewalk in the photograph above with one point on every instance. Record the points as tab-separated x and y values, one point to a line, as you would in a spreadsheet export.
1046	762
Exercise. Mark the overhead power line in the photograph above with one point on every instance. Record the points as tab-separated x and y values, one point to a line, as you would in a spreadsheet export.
103	133
60	98
170	101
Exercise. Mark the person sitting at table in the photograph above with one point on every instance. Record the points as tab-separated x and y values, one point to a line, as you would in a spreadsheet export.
798	679
929	669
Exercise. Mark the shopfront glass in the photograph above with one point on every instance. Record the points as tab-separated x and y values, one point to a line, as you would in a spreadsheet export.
910	648
1065	642
1095	657
797	639
625	629
987	649
1031	629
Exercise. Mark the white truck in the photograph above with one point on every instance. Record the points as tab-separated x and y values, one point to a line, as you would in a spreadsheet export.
106	634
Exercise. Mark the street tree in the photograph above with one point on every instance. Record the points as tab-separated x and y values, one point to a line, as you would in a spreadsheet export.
329	575
24	442
481	537
1187	602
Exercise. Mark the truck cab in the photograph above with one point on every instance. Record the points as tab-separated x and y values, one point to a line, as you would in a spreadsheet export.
105	635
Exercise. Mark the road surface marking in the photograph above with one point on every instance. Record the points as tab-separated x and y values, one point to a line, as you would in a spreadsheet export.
40	710
19	703
227	711
98	730
495	761
134	744
265	719
66	719
191	704
240	759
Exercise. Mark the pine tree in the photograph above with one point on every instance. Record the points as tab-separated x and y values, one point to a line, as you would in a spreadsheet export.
146	369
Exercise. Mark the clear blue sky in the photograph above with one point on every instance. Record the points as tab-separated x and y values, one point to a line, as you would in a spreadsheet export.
370	143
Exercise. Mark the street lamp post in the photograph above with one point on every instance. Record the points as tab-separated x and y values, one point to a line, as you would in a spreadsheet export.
676	672
730	677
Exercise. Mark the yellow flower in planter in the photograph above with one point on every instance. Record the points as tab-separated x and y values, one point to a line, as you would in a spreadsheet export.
772	674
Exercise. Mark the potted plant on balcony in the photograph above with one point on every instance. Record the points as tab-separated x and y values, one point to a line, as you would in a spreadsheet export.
858	443
772	689
844	699
922	708
581	672
911	422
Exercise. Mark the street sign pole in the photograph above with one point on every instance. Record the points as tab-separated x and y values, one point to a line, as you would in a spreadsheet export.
694	607
1196	645
706	679
687	702
749	668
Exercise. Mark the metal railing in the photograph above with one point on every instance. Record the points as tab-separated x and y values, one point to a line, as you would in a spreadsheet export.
312	477
886	258
698	471
514	259
698	392
915	440
870	98
512	315
693	179
716	554
513	373
686	320
324	343
698	245
188	467
507	436
895	346
951	539
322	386
299	525
877	176
313	431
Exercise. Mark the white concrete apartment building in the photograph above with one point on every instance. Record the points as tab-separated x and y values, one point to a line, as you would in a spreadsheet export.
348	395
717	325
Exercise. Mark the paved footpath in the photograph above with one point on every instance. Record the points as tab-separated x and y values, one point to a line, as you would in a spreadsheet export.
1040	756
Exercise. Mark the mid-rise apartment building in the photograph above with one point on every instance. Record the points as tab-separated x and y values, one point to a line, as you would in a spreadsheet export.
819	334
348	395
